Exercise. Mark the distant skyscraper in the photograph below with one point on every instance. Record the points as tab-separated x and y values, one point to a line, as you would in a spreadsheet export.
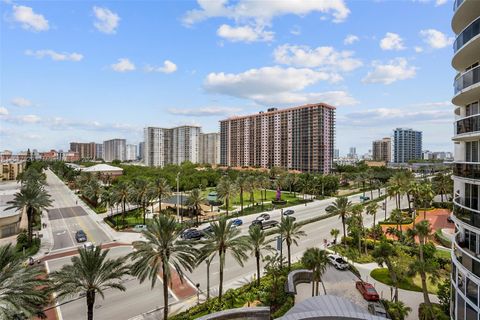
99	148
299	138
86	151
336	153
175	145
114	149
352	153
141	150
131	152
209	148
407	145
382	150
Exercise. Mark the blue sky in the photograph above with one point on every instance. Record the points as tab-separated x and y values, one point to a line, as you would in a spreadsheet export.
95	70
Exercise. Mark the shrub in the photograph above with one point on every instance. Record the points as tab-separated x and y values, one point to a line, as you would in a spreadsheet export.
437	310
440	238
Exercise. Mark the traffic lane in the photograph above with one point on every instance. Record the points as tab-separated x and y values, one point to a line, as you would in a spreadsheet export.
137	299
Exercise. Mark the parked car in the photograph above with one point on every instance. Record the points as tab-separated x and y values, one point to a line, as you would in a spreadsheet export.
449	219
263	216
264	224
377	309
191	234
288	212
80	236
237	222
139	228
367	290
364	198
330	208
88	246
338	262
207	229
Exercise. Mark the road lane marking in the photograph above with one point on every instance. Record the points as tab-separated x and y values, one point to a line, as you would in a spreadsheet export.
57	307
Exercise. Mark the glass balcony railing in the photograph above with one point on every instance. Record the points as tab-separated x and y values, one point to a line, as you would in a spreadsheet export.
466	170
457	4
467	79
466	35
467	125
466	257
468	216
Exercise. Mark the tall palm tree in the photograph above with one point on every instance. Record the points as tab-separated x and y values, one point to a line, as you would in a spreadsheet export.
442	184
395	187
194	201
92	190
334	233
107	199
397	216
263	184
222	239
290	232
342	207
251	187
372	209
90	273
33	198
226	189
398	310
356	224
122	195
162	189
18	286
258	243
241	184
32	175
140	190
316	260
162	250
383	254
426	197
414	191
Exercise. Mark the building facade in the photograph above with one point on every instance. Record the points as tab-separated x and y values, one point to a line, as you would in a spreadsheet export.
114	149
10	169
209	149
299	138
407	145
86	151
382	150
466	167
141	151
171	145
131	152
99	150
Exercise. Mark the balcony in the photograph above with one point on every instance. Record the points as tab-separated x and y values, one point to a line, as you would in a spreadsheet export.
466	46
469	170
466	87
466	215
466	257
467	126
465	11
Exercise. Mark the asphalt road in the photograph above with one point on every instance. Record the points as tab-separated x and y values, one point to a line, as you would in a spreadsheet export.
137	299
66	217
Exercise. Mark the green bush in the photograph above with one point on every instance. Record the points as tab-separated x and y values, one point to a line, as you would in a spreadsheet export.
443	205
440	238
437	310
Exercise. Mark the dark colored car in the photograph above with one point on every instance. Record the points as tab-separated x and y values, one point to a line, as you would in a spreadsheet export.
80	236
377	309
263	216
367	290
237	222
264	224
208	229
288	212
191	234
330	208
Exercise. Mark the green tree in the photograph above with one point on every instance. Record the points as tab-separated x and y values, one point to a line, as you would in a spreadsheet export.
334	233
241	184
426	196
18	286
90	273
398	310
121	194
222	239
316	260
383	254
162	189
263	182
162	250
226	190
251	187
140	190
258	244
290	231
92	190
194	201
371	210
444	294
107	199
342	207
442	184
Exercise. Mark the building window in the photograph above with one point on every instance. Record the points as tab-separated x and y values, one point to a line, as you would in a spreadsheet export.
472	291
460	307
470	313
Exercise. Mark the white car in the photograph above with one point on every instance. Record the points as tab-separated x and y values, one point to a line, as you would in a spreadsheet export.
88	246
338	262
139	228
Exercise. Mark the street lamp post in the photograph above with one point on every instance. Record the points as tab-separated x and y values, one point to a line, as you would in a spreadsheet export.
178	187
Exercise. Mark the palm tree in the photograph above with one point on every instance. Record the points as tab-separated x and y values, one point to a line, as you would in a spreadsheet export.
33	198
263	183
251	186
442	184
140	190
162	189
396	187
122	195
162	250
398	310
334	233
257	243
372	209
397	216
222	239
226	189
32	175
414	191
316	260
107	199
383	254
90	273
194	201
426	197
355	224
92	190
341	207
241	184
290	233
18	286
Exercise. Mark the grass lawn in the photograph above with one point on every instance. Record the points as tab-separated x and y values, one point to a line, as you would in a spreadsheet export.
257	198
412	284
445	254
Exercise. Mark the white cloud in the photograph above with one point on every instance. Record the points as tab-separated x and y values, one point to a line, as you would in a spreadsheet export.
3	111
30	118
436	39
392	41
56	56
325	57
395	70
168	67
106	20
123	65
29	19
418	49
440	2
244	33
262	12
277	85
350	39
204	111
21	102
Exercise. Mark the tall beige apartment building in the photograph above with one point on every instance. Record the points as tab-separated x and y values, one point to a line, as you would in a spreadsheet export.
209	151
298	138
382	150
86	151
114	149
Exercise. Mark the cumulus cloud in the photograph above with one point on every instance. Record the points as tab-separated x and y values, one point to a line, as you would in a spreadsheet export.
350	39
392	41
244	33
30	20
106	20
323	57
123	65
168	67
204	111
3	111
21	102
55	56
418	49
436	39
395	70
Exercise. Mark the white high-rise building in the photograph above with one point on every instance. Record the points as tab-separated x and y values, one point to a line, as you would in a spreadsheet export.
114	149
209	149
131	152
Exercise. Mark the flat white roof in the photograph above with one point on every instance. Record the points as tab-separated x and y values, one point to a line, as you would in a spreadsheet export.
101	168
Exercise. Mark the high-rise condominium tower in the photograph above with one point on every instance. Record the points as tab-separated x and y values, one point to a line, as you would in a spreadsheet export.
381	150
298	138
131	152
114	149
209	148
175	145
407	145
466	168
86	151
